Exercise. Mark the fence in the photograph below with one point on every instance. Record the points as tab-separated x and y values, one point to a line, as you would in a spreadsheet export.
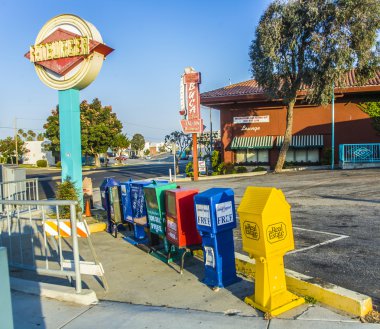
359	153
26	189
31	247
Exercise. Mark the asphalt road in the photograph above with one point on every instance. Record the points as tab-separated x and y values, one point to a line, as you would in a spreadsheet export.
336	223
335	214
134	168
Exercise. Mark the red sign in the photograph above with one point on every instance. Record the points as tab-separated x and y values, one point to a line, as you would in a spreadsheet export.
192	123
192	126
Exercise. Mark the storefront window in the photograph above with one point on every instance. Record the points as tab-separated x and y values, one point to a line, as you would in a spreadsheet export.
240	156
263	156
302	155
252	156
313	155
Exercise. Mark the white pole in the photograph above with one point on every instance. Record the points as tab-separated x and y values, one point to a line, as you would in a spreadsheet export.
175	169
170	174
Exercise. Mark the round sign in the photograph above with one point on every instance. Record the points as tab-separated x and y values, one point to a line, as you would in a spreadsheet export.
68	53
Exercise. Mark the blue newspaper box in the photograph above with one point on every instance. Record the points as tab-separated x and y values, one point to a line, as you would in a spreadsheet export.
215	219
110	195
125	191
104	191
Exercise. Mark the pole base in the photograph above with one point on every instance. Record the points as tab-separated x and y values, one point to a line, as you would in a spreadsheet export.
293	302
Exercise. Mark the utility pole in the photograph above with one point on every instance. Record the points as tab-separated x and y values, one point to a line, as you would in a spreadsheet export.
16	147
332	128
210	133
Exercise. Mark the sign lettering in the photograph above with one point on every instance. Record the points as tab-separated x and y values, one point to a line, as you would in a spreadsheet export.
252	119
203	215
244	128
78	46
251	230
224	213
276	232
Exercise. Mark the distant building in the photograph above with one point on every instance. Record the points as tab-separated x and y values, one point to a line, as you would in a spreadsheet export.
253	126
154	148
36	151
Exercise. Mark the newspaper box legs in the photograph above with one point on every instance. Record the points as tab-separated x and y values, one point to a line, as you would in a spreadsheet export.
267	235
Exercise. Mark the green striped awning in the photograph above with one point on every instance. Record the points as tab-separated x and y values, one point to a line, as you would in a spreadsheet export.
259	142
302	141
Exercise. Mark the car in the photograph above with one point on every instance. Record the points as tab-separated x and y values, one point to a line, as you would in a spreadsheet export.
148	157
121	158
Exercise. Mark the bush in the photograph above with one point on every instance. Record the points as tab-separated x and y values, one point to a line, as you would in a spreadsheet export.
259	169
67	191
241	169
215	160
41	163
226	168
58	164
189	169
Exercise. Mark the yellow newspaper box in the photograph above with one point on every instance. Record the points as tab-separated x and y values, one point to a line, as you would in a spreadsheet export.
267	233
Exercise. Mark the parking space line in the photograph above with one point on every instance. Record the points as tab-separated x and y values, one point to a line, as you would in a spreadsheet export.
338	237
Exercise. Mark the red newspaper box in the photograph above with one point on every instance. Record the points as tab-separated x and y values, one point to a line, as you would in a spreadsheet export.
181	230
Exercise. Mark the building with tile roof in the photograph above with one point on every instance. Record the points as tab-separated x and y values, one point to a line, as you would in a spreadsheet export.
253	125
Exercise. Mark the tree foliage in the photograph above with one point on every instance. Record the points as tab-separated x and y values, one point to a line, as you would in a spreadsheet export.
309	44
373	110
8	149
181	141
99	126
137	142
119	143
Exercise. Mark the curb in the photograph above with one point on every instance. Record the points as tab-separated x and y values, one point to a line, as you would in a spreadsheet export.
329	294
61	293
97	227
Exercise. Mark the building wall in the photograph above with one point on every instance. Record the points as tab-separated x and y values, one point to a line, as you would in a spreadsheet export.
351	124
35	152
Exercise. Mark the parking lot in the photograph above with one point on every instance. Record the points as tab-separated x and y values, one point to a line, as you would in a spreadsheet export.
336	222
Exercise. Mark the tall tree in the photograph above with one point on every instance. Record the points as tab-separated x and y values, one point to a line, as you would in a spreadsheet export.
8	149
312	43
119	143
180	141
99	126
137	142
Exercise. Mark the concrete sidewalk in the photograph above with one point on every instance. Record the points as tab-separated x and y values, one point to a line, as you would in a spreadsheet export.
36	312
144	292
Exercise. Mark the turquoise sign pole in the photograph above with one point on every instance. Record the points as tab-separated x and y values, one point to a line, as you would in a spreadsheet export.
70	136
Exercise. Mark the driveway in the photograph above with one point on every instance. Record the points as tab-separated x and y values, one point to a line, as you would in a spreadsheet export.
336	223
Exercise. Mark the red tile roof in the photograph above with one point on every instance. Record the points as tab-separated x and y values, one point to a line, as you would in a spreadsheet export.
251	87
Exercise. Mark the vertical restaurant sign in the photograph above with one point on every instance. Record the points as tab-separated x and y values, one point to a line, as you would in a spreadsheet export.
190	103
68	53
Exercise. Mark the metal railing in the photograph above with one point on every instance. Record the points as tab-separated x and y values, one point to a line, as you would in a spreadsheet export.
26	189
28	244
359	153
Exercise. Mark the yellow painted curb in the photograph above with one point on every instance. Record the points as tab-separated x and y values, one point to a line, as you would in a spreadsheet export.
337	297
97	227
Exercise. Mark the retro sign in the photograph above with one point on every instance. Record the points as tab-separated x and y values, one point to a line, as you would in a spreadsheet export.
68	53
190	102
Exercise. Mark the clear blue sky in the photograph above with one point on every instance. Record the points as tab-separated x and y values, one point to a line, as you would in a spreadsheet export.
154	40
